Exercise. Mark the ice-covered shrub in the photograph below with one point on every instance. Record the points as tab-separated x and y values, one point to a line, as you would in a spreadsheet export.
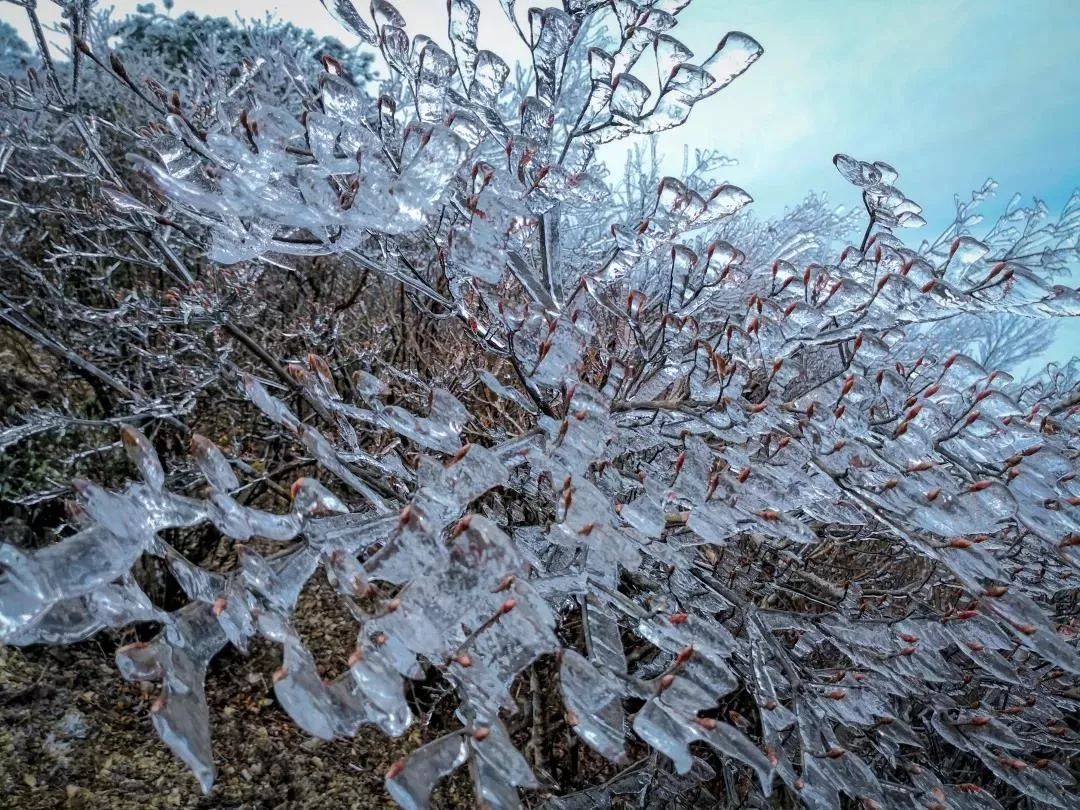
844	566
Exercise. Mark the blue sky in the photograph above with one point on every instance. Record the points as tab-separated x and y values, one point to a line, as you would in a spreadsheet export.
950	92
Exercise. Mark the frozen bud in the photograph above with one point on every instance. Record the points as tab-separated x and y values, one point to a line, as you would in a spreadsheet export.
459	454
144	457
312	498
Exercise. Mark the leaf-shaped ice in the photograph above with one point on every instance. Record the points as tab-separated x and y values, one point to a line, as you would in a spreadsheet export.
178	658
597	715
411	781
464	19
347	13
628	95
733	57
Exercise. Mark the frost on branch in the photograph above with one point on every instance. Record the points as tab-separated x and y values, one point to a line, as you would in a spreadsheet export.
748	522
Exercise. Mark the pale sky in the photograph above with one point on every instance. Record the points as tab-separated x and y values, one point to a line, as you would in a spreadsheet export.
950	92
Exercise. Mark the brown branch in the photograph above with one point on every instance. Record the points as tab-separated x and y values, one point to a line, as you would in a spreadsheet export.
87	369
1065	404
253	347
